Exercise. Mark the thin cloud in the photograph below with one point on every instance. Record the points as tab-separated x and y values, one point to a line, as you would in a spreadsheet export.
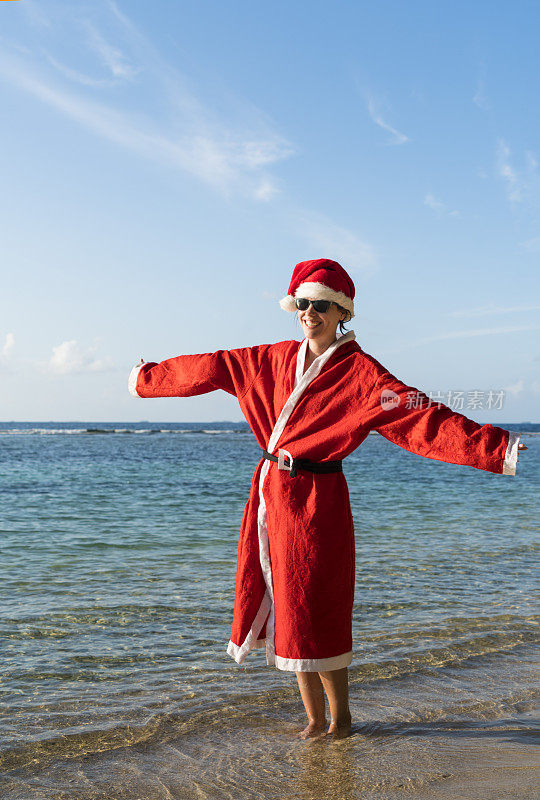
479	99
515	388
217	158
521	182
79	77
397	136
531	245
508	173
438	206
125	21
112	57
69	357
430	201
8	346
330	240
482	311
230	155
464	335
261	144
35	14
532	161
482	332
266	190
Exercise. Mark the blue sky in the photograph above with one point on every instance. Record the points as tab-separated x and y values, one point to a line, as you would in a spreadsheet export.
166	164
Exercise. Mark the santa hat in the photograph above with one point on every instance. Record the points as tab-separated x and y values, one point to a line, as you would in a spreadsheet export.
320	279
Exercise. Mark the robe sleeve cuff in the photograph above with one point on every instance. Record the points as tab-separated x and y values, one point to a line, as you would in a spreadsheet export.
132	380
511	455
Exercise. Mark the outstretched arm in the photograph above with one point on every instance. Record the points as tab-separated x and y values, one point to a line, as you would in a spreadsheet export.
234	371
408	418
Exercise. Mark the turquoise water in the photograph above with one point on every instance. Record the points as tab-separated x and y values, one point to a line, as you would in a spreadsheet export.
118	557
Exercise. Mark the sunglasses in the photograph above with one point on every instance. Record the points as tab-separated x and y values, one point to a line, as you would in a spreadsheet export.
320	306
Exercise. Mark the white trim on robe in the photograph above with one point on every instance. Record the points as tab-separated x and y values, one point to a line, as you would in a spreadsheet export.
239	652
132	380
314	664
511	455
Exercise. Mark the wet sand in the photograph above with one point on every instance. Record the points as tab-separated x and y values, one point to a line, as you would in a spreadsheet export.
469	764
401	746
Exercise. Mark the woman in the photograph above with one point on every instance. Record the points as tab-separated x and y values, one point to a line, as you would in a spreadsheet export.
309	405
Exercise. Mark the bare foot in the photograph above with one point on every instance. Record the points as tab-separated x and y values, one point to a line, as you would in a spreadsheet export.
312	730
341	728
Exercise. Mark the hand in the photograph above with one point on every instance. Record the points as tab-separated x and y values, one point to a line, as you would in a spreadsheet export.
522	447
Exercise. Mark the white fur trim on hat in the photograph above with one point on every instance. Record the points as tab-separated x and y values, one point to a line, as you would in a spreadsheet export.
287	303
317	291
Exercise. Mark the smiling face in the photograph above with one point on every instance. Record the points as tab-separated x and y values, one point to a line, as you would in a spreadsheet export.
321	328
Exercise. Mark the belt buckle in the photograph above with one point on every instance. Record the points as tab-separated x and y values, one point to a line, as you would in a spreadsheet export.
282	454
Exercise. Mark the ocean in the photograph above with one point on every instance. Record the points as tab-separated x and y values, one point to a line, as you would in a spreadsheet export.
117	569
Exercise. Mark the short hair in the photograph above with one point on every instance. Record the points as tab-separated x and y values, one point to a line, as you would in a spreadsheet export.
341	323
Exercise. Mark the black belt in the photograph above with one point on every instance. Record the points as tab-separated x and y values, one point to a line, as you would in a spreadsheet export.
310	466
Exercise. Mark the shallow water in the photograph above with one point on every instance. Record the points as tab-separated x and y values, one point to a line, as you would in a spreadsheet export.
117	583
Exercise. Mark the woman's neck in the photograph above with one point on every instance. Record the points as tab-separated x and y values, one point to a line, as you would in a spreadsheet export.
316	348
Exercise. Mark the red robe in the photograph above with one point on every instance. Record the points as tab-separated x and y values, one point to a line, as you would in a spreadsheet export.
296	555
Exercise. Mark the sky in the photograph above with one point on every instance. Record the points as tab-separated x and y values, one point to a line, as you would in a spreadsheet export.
165	165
